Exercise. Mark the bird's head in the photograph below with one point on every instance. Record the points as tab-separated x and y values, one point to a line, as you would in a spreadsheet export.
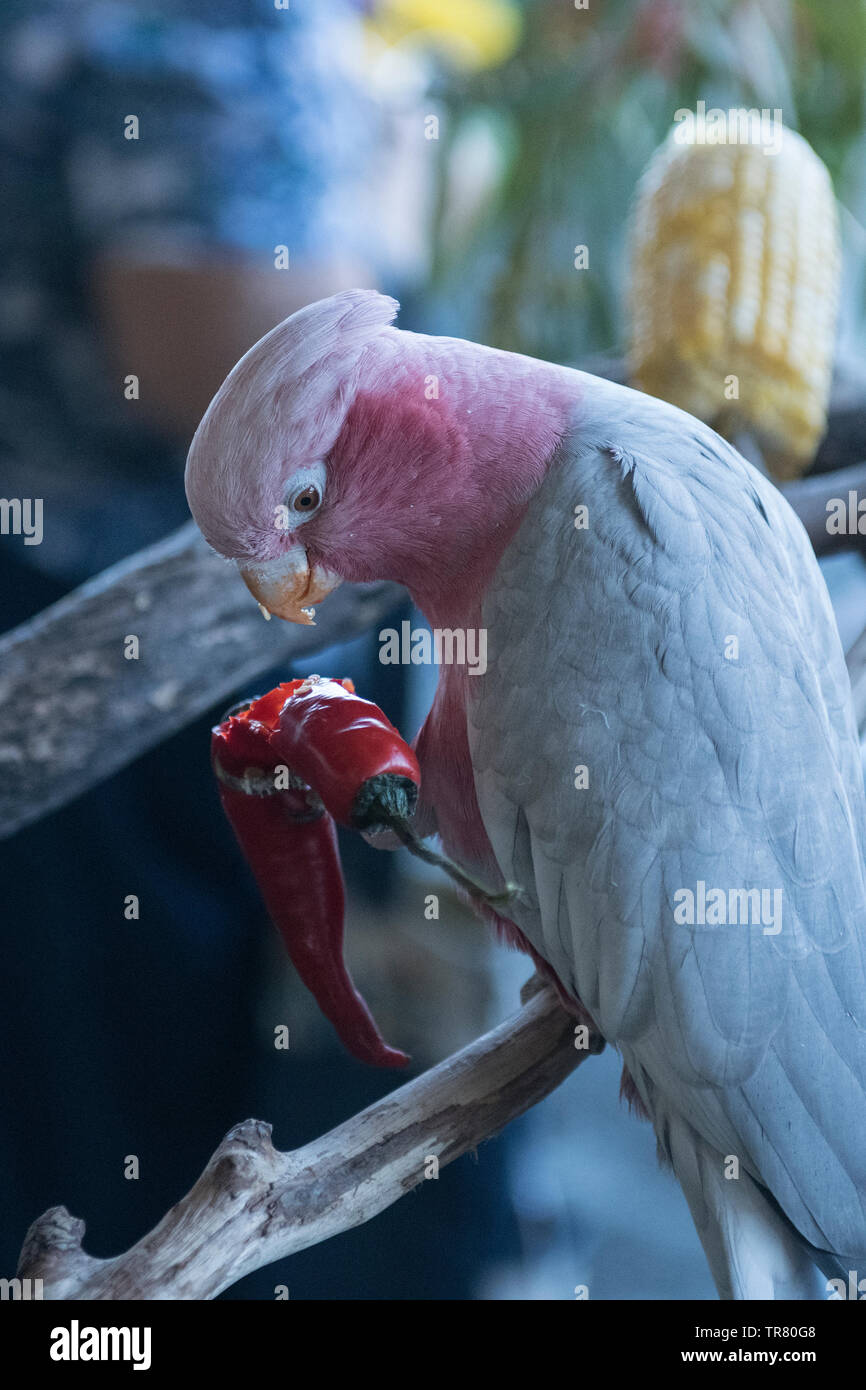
256	475
330	452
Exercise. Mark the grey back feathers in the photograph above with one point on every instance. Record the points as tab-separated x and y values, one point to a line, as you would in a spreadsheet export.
684	652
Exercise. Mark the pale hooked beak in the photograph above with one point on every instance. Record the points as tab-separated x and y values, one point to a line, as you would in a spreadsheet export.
290	586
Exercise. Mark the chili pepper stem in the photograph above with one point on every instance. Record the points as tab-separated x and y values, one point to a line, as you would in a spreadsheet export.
476	890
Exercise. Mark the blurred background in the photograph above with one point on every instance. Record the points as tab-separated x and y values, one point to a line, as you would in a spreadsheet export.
453	153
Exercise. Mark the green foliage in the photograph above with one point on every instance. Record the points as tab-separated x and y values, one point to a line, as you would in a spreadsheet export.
576	113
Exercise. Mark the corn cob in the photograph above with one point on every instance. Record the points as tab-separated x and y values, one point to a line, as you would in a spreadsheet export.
735	266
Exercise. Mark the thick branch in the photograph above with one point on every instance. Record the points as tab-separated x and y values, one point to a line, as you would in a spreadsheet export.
253	1205
90	710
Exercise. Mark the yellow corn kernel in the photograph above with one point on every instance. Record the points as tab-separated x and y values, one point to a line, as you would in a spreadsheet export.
733	290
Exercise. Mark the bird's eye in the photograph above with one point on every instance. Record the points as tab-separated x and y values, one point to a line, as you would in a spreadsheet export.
307	500
304	493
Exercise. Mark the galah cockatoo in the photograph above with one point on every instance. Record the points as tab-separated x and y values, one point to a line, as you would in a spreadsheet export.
662	751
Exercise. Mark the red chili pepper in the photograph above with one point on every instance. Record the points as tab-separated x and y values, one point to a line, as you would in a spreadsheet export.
290	842
343	746
348	750
346	762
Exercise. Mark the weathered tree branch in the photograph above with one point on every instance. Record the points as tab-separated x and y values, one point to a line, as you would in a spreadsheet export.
253	1205
90	710
200	638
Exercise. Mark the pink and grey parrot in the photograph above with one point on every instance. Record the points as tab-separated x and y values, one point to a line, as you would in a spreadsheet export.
662	752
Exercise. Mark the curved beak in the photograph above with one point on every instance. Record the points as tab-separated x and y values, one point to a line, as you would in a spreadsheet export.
290	586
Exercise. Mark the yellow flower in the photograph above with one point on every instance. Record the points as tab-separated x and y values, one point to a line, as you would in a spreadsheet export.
471	33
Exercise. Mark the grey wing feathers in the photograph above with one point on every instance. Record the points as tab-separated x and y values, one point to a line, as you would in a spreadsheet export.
682	649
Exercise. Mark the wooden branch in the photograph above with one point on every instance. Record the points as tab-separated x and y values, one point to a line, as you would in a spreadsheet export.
253	1205
74	709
